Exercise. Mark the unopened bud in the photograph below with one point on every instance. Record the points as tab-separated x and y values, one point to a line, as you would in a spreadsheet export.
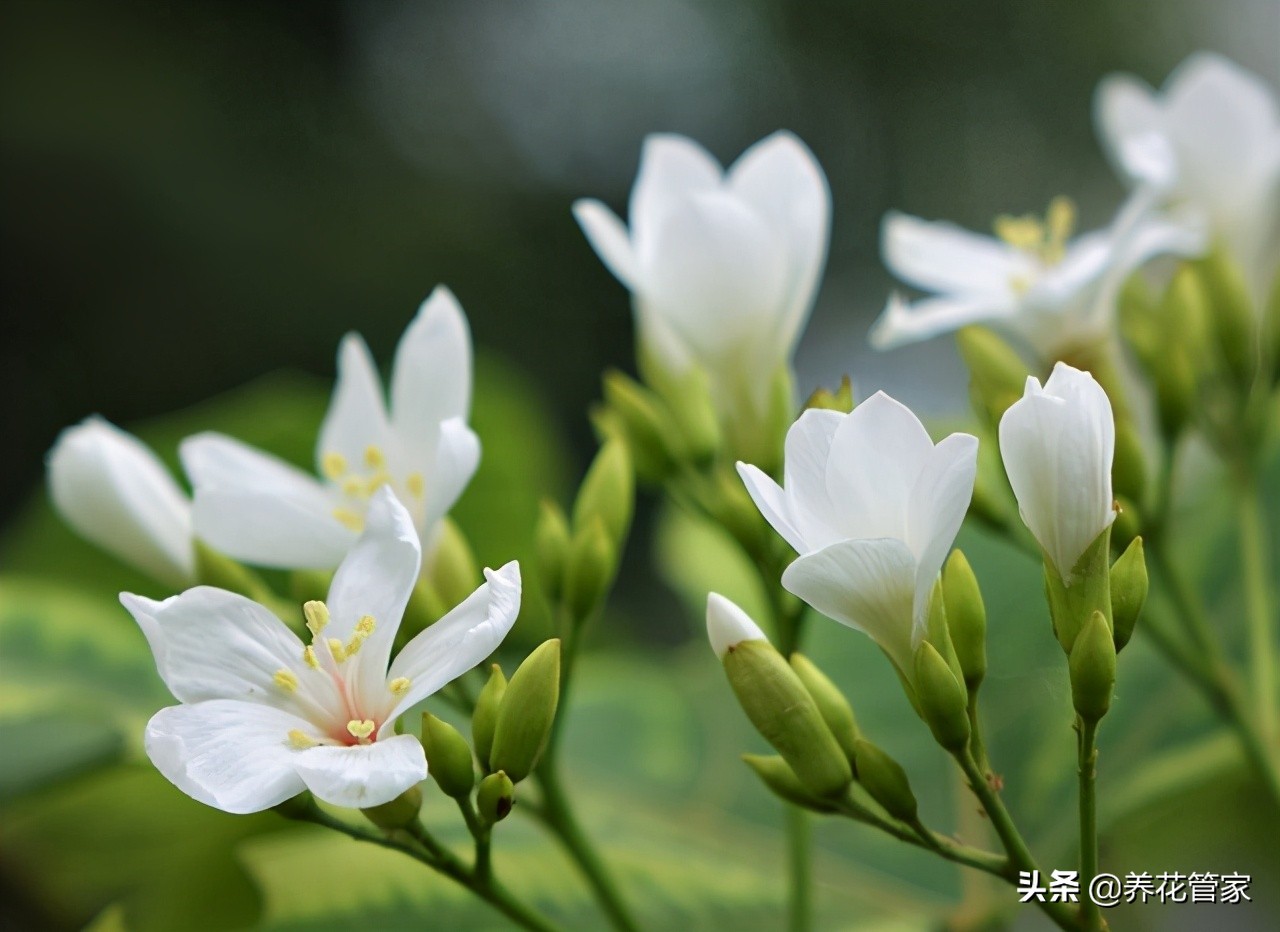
943	701
966	618
783	783
997	374
551	544
1128	591
1231	312
637	412
840	400
608	492
688	397
831	703
495	797
886	781
1089	590
453	570
485	717
592	564
1129	470
1093	669
401	811
527	712
448	757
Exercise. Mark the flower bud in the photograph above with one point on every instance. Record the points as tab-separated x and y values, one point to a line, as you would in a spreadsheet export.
592	564
453	571
608	492
831	703
495	797
733	510
1128	591
783	783
886	781
1093	669
996	372
966	618
1231	311
1127	525
485	717
448	757
840	400
551	544
400	812
942	699
694	412
527	712
1089	590
786	716
1129	470
637	411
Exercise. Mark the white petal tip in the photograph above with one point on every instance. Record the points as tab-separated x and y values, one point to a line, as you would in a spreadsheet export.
728	625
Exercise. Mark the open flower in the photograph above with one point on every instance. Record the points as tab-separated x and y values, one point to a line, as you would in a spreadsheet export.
1209	143
264	716
1031	279
723	266
1058	442
872	506
262	510
115	492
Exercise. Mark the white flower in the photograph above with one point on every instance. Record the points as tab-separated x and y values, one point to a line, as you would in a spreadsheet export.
723	266
1057	443
872	506
262	510
264	716
728	625
1210	143
115	492
1032	280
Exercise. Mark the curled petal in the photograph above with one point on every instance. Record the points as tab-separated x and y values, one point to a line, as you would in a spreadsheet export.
366	775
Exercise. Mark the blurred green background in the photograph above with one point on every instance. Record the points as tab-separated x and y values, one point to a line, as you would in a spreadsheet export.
200	198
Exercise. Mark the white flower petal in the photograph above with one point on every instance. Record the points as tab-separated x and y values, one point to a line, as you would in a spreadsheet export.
940	256
357	415
115	492
939	500
608	236
457	458
431	378
458	641
1132	131
361	776
231	755
774	504
728	625
671	168
904	322
866	584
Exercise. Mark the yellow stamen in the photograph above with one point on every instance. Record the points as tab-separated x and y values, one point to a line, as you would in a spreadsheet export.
374	458
399	686
286	680
416	484
333	465
365	626
1026	233
376	481
336	648
310	658
349	519
301	740
317	615
360	729
353	487
1060	221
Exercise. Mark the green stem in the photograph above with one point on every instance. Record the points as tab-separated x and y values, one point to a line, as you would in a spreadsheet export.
1090	915
482	834
800	895
1261	614
921	837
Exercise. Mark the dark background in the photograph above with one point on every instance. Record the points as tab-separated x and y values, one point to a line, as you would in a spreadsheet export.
195	194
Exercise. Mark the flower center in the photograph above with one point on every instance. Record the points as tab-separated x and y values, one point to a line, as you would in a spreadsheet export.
358	485
1044	240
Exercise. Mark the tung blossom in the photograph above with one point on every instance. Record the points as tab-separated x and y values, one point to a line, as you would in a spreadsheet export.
1209	144
722	265
1031	279
114	491
259	509
872	507
264	716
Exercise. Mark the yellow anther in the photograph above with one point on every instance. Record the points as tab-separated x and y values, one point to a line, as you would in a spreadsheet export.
338	651
286	680
309	657
333	465
374	458
353	487
416	484
1020	284
351	520
317	615
300	740
365	626
360	729
1026	233
399	686
353	645
376	481
1060	221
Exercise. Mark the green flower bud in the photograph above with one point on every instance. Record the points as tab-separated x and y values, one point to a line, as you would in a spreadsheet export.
638	413
765	449
784	713
592	564
1090	590
1139	321
495	797
997	374
527	712
783	783
454	572
1129	469
1231	312
1174	368
942	699
1093	669
551	544
424	609
733	509
688	399
966	618
831	703
608	492
448	757
1177	392
485	717
1127	525
840	400
1128	591
938	632
401	811
886	781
